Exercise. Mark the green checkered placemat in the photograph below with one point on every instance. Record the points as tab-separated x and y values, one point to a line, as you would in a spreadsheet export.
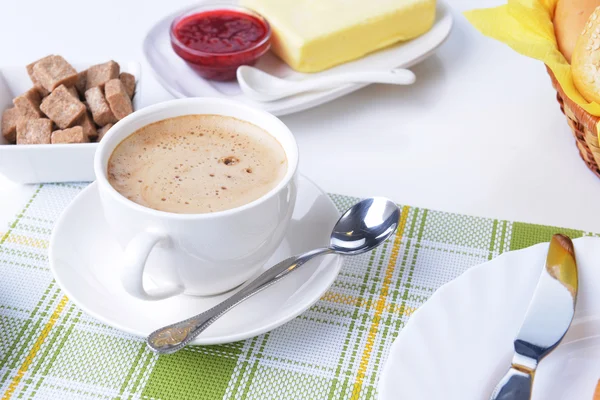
50	349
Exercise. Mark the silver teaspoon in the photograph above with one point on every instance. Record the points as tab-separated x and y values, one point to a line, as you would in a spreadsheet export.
361	228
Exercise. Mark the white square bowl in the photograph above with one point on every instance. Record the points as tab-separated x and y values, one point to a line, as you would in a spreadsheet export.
35	163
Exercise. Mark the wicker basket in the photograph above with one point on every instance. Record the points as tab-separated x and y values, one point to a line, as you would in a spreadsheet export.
583	126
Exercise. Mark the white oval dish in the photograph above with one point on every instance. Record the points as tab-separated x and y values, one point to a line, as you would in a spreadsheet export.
181	81
459	344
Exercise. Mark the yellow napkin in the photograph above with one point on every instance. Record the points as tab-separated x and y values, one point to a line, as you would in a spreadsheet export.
526	26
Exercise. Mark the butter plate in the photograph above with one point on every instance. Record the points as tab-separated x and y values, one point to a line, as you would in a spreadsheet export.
84	260
458	344
181	81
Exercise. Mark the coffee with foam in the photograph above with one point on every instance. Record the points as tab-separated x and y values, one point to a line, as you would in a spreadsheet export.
197	164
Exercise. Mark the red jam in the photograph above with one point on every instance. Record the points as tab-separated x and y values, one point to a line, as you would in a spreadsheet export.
215	42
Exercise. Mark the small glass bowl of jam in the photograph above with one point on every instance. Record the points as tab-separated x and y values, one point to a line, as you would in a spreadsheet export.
215	40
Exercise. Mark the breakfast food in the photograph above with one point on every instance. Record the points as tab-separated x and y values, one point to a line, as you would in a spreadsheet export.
73	92
570	17
129	83
216	40
82	82
118	99
53	71
28	104
577	29
99	106
36	84
70	135
197	164
311	36
597	392
10	117
98	75
586	59
102	131
87	124
34	131
59	93
62	107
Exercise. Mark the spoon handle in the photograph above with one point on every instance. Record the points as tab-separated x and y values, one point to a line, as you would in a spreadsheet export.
172	338
399	76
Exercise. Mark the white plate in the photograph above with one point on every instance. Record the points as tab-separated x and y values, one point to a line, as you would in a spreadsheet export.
84	259
181	81
459	344
33	163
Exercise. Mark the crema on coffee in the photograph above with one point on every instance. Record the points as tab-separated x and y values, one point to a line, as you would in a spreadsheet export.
197	164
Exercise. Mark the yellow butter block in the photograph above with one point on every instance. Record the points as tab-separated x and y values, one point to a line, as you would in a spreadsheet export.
313	35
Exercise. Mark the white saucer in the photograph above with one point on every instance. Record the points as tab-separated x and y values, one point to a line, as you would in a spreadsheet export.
459	344
181	81
84	260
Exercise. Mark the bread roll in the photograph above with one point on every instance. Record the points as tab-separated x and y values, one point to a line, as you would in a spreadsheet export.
569	18
586	59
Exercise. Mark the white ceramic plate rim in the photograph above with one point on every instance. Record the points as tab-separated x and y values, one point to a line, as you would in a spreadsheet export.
432	39
435	305
290	313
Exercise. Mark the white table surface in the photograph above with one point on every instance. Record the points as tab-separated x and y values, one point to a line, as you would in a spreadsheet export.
479	133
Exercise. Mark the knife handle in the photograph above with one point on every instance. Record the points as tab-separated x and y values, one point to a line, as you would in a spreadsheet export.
515	385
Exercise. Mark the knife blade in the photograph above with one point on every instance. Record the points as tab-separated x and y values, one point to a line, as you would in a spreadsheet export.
546	322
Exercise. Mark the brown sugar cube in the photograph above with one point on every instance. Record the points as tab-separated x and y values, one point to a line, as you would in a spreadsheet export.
9	124
28	104
34	131
102	131
70	135
36	84
99	107
53	71
88	126
73	92
98	75
128	81
62	108
118	99
21	124
81	82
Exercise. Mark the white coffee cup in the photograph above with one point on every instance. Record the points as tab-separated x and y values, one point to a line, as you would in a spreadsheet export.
196	254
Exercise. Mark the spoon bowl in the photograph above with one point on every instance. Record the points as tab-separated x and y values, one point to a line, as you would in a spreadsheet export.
364	226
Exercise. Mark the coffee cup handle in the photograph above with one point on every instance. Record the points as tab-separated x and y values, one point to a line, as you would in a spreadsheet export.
134	263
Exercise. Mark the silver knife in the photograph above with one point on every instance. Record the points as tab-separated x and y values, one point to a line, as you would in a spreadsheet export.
547	320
